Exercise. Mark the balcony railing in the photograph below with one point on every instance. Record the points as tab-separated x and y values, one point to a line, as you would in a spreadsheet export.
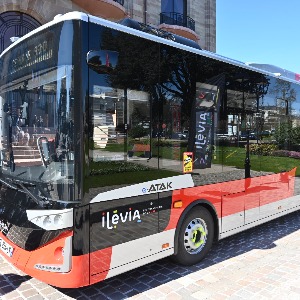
174	18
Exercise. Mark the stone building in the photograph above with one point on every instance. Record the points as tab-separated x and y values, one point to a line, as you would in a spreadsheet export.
194	19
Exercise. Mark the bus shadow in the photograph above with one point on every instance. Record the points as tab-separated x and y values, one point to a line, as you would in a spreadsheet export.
10	282
163	271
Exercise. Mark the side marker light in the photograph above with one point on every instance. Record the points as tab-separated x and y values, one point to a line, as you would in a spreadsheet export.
165	246
177	204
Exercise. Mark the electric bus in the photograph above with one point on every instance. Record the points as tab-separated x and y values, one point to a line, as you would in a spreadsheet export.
122	144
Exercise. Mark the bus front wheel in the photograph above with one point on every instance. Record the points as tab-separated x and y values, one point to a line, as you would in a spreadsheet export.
195	236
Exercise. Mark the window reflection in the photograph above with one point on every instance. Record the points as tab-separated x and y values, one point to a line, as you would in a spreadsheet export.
112	139
174	106
37	126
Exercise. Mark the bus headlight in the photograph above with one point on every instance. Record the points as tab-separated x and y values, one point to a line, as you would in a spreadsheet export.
58	220
51	219
47	221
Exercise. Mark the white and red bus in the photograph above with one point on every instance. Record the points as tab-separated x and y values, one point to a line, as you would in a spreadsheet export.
122	144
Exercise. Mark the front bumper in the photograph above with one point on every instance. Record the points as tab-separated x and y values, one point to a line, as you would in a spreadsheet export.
51	263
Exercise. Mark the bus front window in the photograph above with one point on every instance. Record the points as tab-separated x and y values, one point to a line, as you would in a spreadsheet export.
37	123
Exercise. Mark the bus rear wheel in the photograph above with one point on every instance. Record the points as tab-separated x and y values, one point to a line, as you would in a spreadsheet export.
195	236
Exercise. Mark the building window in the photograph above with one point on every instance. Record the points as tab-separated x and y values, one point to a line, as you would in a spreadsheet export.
15	24
174	12
177	6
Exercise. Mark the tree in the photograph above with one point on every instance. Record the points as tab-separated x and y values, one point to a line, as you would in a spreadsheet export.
286	135
137	131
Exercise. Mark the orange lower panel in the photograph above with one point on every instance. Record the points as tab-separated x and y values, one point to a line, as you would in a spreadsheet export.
100	264
77	277
48	254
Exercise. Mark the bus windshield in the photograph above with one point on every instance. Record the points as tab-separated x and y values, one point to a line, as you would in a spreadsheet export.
37	116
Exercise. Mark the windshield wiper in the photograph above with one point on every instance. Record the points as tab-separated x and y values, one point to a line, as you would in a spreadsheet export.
39	200
30	194
8	184
23	189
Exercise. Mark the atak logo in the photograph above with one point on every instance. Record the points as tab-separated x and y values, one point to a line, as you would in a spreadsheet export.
158	187
111	221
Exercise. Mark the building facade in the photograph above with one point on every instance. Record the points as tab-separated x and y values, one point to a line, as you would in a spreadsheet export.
194	19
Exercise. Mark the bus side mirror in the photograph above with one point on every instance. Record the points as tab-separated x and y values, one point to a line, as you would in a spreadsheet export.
102	61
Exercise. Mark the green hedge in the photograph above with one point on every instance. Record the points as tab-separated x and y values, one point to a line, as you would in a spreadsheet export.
113	167
263	149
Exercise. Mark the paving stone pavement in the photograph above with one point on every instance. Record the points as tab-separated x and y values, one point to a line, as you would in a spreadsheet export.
261	263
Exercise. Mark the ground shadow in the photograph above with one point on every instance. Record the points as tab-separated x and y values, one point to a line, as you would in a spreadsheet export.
154	274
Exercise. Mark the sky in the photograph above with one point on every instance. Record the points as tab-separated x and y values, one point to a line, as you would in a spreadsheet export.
261	31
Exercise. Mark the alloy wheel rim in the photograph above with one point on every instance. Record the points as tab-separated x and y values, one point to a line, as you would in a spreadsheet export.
195	236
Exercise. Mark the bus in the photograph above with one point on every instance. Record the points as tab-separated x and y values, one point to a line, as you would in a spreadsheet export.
122	144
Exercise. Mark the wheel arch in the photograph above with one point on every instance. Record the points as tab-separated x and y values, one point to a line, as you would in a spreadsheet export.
198	203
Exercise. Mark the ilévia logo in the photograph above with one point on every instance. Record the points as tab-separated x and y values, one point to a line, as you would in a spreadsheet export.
111	221
158	187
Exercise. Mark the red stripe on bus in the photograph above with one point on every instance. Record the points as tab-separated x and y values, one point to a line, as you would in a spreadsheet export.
211	193
236	196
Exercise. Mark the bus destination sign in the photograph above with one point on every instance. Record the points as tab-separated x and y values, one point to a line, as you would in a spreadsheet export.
30	54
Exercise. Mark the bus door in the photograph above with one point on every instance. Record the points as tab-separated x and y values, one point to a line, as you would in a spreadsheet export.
123	180
276	132
237	138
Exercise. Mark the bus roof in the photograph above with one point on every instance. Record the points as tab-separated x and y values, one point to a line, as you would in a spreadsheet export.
275	70
117	26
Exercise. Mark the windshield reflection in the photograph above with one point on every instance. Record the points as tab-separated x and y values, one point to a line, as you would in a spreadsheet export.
37	134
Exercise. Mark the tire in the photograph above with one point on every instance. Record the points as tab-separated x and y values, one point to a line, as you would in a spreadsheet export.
195	237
